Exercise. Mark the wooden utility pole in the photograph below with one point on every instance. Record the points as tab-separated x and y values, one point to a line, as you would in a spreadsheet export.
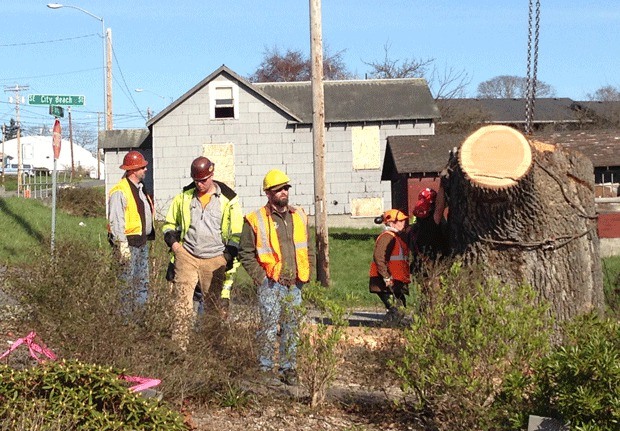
318	140
16	89
108	104
71	144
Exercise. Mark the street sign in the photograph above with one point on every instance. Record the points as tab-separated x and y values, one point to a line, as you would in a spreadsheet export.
56	140
53	99
57	111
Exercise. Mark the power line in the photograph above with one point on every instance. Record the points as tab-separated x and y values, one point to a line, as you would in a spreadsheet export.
51	75
48	41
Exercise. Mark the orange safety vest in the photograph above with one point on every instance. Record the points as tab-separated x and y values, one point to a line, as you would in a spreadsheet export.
133	223
399	262
268	247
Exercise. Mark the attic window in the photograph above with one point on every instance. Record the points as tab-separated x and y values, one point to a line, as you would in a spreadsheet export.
224	102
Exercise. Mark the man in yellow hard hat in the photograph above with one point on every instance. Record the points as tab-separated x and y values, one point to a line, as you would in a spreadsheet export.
202	229
130	226
276	252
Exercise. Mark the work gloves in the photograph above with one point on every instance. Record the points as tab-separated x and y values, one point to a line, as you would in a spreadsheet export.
124	252
230	252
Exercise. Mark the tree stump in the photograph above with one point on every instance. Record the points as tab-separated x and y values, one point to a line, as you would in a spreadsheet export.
524	211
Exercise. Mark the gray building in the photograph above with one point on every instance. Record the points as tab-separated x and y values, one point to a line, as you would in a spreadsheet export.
249	128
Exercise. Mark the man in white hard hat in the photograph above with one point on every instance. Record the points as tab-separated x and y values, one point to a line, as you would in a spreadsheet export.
275	251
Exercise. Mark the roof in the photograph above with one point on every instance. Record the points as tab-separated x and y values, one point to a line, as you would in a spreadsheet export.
429	154
418	154
345	101
125	139
609	111
510	111
359	100
602	147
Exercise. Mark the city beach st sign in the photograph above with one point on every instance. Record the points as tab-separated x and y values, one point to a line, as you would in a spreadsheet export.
55	99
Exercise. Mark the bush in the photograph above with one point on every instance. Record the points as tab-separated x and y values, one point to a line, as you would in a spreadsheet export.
73	395
464	344
579	381
82	201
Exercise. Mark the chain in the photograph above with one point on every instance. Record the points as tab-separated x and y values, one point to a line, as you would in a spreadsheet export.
532	63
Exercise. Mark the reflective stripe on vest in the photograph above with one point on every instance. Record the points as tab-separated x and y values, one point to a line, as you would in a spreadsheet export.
398	263
268	248
133	223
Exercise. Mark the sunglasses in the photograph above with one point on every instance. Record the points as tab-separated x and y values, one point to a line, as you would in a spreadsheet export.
279	189
204	180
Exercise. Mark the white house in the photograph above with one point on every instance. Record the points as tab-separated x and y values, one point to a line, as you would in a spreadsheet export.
38	152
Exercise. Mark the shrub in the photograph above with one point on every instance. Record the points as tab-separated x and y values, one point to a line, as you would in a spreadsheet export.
74	395
320	345
579	381
464	344
82	201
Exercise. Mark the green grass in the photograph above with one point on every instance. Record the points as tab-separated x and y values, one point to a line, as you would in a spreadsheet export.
26	225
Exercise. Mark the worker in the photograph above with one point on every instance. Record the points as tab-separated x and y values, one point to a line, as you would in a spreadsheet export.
130	227
276	253
389	269
202	228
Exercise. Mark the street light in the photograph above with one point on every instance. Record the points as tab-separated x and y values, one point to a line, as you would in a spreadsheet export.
107	107
140	90
107	123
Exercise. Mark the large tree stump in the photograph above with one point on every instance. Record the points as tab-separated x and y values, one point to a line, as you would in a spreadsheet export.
524	211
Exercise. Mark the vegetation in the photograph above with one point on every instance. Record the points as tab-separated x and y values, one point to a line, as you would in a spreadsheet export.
478	355
510	87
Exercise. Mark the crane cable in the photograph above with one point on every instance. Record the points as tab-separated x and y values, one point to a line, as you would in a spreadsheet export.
532	63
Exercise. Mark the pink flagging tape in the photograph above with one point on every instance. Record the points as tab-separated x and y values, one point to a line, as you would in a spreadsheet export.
143	383
36	351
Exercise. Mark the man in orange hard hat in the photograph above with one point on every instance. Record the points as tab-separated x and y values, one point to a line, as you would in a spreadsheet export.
130	226
276	252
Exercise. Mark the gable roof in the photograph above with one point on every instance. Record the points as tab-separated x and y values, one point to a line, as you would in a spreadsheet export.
345	101
223	70
359	100
406	155
510	111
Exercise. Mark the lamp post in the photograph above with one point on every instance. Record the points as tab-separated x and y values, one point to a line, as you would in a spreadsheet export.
107	107
148	110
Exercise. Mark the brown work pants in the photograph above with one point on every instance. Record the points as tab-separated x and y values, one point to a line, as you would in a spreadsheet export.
189	270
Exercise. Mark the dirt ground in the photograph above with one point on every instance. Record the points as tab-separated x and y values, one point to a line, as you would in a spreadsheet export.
351	404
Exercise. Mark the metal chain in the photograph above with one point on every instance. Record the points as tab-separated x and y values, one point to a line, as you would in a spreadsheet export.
532	64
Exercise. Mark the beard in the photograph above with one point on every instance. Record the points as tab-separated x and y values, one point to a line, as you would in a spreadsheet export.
281	202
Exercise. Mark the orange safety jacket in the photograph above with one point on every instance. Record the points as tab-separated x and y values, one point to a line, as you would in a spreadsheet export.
398	263
133	223
268	247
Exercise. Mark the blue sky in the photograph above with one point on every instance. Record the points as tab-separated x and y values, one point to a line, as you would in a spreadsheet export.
167	47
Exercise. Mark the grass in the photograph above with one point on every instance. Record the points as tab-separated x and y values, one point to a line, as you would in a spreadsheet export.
26	226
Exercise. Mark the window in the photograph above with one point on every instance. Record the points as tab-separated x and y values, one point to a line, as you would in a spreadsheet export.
224	102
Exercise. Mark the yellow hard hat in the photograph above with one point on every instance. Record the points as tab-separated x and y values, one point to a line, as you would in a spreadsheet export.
275	177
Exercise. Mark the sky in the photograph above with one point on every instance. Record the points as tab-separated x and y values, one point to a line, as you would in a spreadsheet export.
165	48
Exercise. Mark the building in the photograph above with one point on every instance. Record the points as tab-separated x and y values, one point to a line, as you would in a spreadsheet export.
249	128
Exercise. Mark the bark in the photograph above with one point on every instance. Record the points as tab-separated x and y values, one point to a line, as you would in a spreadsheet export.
541	229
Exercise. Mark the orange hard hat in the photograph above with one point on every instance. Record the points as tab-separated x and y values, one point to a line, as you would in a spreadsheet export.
202	168
393	215
133	160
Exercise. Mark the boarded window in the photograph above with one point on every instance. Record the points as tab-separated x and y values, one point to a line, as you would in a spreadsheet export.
366	207
366	148
223	156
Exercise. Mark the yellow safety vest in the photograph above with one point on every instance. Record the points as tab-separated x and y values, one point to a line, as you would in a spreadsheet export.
268	247
133	223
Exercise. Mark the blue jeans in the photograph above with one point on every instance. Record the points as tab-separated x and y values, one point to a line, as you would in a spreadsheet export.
135	275
278	304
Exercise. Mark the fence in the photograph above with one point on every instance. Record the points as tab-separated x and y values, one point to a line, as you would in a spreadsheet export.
39	186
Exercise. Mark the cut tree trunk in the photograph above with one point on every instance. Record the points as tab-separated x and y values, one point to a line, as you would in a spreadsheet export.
524	212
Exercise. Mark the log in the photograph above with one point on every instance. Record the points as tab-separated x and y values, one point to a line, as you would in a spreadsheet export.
524	211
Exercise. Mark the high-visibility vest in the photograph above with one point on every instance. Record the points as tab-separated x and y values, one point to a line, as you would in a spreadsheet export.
133	223
399	260
268	247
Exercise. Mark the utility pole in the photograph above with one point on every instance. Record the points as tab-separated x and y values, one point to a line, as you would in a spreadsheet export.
109	80
3	155
71	144
16	90
318	140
